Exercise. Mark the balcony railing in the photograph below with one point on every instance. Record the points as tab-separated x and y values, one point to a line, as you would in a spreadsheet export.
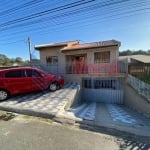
102	68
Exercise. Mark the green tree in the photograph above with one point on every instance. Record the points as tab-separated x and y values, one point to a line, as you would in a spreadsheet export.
18	60
134	52
5	61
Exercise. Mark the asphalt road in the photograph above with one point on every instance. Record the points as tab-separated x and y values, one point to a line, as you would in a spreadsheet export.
28	134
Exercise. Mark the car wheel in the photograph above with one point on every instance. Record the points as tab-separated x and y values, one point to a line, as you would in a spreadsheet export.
3	95
53	86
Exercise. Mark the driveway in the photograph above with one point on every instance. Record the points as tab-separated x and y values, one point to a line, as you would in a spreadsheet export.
44	103
112	116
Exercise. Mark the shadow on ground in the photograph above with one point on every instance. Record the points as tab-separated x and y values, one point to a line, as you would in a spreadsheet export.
123	139
132	144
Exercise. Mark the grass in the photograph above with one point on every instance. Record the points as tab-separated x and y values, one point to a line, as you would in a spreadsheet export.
146	78
6	116
2	113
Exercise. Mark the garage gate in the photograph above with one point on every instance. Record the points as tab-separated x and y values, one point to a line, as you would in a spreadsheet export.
105	90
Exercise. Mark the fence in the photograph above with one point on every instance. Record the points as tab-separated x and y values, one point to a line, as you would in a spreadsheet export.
100	68
140	86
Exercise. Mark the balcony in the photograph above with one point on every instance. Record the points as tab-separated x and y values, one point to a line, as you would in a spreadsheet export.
107	69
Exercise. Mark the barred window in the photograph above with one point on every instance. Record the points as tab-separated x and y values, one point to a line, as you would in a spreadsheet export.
52	60
102	57
87	83
100	83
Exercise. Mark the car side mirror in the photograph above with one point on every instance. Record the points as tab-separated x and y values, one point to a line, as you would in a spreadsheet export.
42	75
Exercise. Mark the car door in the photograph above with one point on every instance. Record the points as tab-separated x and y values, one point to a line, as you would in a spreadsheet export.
36	79
15	81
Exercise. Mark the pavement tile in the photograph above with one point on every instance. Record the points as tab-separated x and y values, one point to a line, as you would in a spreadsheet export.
49	102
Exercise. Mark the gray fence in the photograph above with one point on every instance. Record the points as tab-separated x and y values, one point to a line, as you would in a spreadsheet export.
140	86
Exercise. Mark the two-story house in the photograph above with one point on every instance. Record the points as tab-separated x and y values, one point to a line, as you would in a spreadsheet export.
94	65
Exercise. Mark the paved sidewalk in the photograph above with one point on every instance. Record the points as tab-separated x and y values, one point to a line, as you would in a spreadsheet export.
44	103
122	118
111	116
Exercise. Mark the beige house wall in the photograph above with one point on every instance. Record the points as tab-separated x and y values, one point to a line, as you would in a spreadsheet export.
90	53
60	67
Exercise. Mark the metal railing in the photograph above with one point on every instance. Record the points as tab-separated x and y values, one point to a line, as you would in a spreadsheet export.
114	68
140	86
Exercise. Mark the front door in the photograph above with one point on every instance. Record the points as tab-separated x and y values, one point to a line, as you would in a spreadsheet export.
77	64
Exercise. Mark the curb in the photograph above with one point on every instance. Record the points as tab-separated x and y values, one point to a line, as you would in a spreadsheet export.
91	125
28	112
83	124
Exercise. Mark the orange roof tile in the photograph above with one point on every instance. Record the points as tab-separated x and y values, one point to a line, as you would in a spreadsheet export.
92	45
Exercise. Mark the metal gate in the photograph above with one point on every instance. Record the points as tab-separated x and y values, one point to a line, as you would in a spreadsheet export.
105	90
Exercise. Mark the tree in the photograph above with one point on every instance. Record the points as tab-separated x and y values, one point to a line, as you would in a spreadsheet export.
18	60
5	61
134	52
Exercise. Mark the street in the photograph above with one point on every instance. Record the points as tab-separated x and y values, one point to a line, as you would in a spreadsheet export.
34	134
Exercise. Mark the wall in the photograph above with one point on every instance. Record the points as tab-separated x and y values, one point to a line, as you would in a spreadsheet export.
103	95
90	53
73	78
55	51
60	68
136	101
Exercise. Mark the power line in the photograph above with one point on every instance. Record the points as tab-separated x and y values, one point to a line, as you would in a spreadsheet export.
55	17
69	13
29	17
116	12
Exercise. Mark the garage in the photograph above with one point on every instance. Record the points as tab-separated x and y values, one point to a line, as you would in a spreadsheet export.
102	89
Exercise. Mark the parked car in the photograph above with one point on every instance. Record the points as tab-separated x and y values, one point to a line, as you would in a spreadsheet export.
27	79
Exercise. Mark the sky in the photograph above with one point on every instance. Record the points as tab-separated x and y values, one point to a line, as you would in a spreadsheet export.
46	21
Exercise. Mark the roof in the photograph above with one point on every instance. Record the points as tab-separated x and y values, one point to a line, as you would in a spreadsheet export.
92	45
74	45
39	47
140	58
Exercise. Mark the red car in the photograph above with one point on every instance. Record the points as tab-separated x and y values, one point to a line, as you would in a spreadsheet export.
27	79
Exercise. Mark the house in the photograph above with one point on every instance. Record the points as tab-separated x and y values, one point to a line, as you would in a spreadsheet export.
138	65
94	65
97	58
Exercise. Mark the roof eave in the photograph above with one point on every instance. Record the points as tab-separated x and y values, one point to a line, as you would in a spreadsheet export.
47	46
81	48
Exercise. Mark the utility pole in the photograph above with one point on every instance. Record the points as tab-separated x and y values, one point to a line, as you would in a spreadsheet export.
29	43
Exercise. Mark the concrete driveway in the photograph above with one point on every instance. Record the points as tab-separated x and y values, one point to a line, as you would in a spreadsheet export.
51	104
112	116
45	103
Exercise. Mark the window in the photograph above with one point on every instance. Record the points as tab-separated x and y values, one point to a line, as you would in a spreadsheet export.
52	60
87	83
32	73
102	57
100	83
15	74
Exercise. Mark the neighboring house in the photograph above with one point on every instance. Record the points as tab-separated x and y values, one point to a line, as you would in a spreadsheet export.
94	65
138	65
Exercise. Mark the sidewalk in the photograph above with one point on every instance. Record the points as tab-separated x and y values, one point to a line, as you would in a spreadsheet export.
52	104
110	116
43	104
